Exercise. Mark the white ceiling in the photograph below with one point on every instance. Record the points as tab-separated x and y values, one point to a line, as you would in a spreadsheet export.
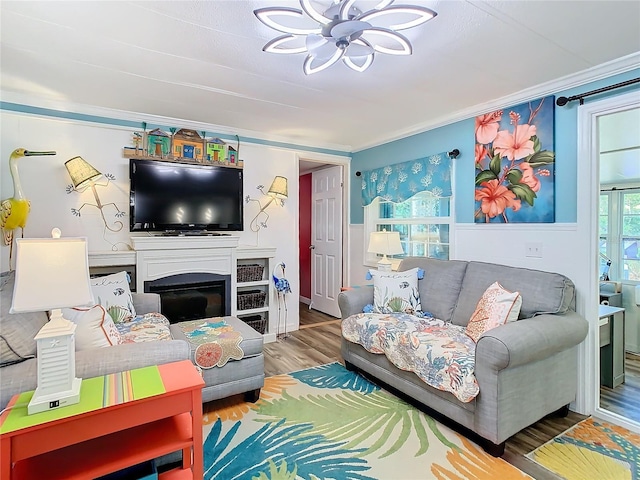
203	61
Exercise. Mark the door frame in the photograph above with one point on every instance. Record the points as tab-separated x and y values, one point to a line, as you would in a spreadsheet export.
321	160
588	398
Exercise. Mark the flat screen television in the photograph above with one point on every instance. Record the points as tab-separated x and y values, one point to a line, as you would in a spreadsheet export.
181	197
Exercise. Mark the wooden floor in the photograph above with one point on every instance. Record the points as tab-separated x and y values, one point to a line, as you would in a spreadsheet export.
624	399
318	342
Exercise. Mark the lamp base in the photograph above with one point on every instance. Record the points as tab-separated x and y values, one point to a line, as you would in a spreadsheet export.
42	403
384	265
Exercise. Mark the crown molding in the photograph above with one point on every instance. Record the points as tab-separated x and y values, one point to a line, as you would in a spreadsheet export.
599	72
129	119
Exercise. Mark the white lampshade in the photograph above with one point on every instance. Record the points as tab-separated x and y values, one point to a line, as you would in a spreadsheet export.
279	188
51	273
385	243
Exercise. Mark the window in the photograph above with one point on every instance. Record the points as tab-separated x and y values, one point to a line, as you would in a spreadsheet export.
619	227
631	235
424	222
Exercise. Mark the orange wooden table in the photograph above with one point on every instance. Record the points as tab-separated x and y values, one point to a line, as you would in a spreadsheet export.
121	420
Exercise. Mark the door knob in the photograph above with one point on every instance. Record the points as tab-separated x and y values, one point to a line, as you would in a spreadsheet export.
312	247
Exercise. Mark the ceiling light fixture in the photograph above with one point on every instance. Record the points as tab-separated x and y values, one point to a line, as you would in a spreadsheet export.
341	32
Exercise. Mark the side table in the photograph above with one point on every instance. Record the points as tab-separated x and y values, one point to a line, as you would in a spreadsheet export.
122	420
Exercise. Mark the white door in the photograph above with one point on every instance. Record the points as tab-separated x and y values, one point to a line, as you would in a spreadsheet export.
326	239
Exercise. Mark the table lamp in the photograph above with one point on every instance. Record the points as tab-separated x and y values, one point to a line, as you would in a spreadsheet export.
51	274
385	243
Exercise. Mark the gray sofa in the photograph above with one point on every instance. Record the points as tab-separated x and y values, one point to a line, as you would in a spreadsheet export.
525	369
18	370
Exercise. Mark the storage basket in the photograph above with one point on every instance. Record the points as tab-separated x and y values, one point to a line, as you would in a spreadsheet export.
257	322
250	273
251	299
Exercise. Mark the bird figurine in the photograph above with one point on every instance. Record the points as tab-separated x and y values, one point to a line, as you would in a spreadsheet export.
15	210
282	288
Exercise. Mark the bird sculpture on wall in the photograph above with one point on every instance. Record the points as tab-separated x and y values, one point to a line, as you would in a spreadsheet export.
14	211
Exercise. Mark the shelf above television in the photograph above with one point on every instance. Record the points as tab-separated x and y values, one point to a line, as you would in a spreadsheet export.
131	153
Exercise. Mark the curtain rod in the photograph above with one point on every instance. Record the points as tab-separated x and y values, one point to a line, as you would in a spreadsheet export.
617	189
562	101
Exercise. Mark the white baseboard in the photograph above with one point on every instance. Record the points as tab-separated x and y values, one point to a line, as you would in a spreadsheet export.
305	300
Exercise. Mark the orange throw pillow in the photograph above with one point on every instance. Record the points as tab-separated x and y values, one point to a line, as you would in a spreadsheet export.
496	307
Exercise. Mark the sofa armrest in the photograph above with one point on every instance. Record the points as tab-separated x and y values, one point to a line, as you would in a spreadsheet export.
118	358
146	303
353	301
531	339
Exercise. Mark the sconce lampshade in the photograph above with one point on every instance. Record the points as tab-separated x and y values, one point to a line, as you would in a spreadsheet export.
279	188
81	171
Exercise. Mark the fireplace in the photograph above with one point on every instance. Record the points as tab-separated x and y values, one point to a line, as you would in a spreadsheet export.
192	296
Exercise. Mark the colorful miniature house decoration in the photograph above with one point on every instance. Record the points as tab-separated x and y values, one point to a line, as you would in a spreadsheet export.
216	150
188	143
232	155
158	143
182	145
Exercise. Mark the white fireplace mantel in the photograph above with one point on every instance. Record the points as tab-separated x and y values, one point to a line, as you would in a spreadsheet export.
160	257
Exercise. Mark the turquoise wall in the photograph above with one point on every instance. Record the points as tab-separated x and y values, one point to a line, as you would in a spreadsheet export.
460	135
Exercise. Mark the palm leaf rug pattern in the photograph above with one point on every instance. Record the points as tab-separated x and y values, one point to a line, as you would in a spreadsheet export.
592	449
328	423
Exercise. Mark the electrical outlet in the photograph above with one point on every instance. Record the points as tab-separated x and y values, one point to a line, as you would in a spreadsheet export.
533	249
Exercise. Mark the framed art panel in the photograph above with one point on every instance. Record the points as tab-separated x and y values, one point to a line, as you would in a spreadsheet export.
515	164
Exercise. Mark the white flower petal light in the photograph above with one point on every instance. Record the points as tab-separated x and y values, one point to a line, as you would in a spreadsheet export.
268	16
400	40
324	63
421	14
276	45
343	31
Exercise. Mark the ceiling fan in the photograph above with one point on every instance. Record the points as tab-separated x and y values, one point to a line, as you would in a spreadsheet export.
341	31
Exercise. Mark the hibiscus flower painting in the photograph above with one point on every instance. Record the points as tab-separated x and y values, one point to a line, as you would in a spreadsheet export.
515	160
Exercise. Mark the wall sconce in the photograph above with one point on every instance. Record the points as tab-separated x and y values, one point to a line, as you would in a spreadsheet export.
385	243
278	191
83	175
51	274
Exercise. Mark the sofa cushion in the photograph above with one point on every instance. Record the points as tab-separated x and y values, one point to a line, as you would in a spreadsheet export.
542	292
114	294
440	287
496	307
396	291
17	330
94	328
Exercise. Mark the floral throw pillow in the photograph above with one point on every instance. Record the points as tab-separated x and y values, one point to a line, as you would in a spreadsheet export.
496	307
94	328
113	293
396	292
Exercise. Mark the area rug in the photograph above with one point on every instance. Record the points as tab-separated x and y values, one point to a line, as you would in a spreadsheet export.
592	449
328	423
